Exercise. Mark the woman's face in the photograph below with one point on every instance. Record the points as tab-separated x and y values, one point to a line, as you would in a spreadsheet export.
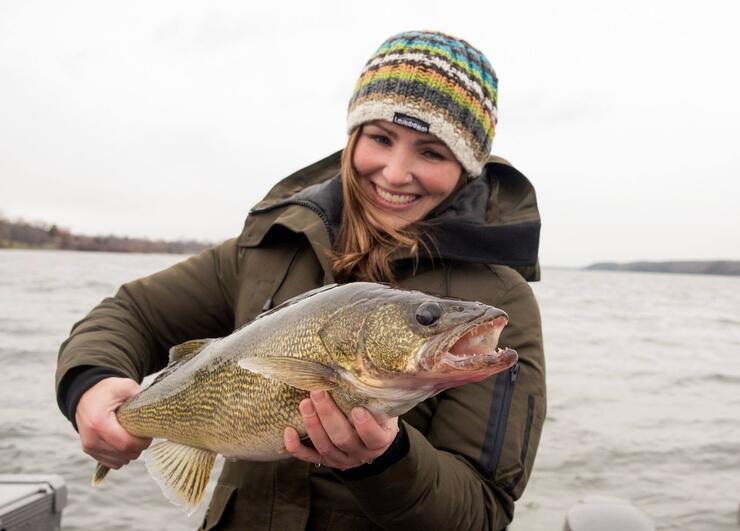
404	172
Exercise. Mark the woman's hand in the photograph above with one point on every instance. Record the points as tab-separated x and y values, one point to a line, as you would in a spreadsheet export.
102	437
337	443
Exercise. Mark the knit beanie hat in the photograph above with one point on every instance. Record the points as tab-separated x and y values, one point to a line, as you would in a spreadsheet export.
432	83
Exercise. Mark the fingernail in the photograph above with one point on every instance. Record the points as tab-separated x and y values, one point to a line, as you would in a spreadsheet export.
306	407
318	396
359	414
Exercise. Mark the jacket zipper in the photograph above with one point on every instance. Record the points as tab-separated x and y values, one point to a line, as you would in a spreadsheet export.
504	397
525	445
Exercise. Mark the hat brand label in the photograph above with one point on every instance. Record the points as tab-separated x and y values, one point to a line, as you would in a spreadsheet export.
410	122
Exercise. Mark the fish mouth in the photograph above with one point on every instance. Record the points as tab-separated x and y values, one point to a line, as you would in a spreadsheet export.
471	353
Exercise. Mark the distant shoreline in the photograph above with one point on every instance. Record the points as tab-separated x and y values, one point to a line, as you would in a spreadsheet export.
689	267
25	235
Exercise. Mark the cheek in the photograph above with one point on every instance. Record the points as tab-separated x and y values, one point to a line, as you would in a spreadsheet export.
365	158
443	181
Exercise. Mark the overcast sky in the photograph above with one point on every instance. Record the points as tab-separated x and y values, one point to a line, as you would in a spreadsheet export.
169	119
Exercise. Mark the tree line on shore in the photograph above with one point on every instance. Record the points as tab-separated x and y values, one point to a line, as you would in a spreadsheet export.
692	267
27	235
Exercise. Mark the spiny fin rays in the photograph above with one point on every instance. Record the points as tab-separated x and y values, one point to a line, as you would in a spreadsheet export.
187	350
100	472
182	472
181	354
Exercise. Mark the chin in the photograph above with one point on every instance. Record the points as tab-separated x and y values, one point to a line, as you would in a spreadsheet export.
386	221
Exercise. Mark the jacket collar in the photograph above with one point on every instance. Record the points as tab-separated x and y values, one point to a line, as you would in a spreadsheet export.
493	219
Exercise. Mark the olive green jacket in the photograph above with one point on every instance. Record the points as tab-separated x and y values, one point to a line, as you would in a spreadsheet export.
471	448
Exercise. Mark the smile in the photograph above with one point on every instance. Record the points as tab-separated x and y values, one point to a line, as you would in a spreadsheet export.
395	199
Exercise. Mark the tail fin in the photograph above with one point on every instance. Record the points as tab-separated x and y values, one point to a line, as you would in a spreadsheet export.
100	472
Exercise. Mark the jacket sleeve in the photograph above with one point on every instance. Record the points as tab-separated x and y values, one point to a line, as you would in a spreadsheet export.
475	458
130	334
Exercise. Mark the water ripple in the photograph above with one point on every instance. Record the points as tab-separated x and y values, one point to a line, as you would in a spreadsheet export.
710	378
632	413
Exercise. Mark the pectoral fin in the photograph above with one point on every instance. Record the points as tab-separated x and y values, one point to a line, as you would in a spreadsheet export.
181	471
303	374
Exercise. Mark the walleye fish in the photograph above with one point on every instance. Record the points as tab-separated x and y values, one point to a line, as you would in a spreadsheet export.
367	344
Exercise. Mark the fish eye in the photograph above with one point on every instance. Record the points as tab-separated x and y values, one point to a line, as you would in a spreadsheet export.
429	313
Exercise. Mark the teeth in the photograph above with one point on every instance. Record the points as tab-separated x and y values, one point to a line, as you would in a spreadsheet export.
393	198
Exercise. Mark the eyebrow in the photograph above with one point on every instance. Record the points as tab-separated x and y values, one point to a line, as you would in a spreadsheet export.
421	142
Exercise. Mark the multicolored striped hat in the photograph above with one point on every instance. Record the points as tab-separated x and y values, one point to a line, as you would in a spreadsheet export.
432	83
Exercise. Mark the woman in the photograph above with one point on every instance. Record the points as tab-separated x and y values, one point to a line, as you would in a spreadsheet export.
413	199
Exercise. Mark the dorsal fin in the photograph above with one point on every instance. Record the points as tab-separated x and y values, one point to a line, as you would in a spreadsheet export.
183	353
297	298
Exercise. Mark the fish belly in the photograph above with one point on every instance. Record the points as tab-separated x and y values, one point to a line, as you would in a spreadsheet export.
229	411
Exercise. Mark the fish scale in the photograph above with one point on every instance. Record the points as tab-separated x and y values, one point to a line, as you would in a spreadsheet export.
367	344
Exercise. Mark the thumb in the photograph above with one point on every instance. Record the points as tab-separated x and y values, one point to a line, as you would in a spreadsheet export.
121	389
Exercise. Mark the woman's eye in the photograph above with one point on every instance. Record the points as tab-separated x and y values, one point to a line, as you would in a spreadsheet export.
381	139
433	155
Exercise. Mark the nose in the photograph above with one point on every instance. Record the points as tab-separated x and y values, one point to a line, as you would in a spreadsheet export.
397	170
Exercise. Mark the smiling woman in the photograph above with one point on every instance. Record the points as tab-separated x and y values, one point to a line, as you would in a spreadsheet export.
405	174
395	176
414	199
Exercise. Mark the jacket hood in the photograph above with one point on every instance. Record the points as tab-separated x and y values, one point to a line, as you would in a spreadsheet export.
493	219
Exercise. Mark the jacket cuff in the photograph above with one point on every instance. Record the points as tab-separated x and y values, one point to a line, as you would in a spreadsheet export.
394	453
76	382
383	492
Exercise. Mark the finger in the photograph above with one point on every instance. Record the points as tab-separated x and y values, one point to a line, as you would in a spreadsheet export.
112	462
374	435
293	444
119	439
113	453
335	424
106	456
98	449
102	445
103	455
318	435
125	389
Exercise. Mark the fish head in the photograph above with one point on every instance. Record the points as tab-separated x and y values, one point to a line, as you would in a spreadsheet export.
400	339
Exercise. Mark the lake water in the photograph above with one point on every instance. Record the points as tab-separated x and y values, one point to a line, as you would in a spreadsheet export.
643	384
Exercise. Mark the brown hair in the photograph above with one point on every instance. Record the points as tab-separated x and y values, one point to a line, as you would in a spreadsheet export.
363	251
